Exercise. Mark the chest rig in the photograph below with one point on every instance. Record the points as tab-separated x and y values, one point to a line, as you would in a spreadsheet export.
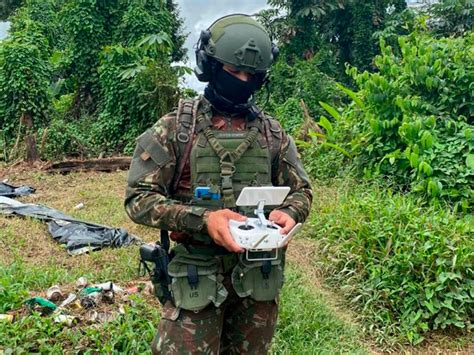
226	161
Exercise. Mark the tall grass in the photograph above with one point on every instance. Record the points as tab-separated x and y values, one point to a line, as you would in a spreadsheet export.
408	268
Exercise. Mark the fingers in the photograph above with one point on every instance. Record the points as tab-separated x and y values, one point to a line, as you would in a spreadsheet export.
218	229
283	220
234	215
287	228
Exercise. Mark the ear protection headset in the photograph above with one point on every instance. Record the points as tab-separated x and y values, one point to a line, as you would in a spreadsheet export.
206	66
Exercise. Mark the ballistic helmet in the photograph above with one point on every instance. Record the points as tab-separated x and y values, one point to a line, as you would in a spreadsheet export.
238	40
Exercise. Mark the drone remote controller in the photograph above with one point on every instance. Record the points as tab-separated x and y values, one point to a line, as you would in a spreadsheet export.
259	234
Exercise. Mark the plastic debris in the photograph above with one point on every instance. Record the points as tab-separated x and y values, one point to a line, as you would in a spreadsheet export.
41	305
82	282
78	236
70	298
76	305
13	191
90	300
54	293
6	318
65	319
109	286
79	206
91	289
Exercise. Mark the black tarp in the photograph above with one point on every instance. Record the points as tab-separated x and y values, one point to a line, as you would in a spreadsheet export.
8	190
78	236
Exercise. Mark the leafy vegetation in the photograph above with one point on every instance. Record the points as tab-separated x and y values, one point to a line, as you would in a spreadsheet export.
107	62
408	268
414	123
379	98
401	131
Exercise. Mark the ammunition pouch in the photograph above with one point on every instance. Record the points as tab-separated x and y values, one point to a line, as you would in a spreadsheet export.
196	281
259	280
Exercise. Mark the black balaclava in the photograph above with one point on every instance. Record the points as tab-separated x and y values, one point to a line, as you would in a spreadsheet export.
229	94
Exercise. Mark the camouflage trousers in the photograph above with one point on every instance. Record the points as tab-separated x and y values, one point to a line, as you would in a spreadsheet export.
238	326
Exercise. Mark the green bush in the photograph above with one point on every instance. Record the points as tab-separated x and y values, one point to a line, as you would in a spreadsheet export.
408	269
138	85
301	81
415	123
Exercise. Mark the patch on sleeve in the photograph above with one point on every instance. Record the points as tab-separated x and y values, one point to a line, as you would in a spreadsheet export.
153	149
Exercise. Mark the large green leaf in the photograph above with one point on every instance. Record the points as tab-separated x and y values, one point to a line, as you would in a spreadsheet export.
351	94
331	110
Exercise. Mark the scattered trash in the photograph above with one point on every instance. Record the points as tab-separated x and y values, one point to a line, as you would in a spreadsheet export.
6	318
41	305
13	191
89	290
76	305
109	286
92	299
81	282
94	304
79	206
54	293
66	319
71	298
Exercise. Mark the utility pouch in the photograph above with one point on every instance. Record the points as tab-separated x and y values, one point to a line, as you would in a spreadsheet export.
259	280
195	280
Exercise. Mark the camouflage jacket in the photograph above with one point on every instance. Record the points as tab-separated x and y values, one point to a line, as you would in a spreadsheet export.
150	199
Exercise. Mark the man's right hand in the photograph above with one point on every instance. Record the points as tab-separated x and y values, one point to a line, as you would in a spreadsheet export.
218	228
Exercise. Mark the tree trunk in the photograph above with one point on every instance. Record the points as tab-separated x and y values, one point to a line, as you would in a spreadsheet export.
30	137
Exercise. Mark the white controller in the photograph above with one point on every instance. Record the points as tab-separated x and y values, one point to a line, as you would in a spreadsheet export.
259	234
255	236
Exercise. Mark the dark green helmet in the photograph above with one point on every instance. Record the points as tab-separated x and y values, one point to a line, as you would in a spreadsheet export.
238	40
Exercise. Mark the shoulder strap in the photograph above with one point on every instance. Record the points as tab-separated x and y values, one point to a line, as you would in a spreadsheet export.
274	136
185	126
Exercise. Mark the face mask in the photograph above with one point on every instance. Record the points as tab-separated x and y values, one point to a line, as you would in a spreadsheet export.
232	88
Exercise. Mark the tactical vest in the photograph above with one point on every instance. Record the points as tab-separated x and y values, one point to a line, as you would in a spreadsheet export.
225	160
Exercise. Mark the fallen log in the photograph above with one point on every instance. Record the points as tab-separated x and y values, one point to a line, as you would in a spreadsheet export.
102	164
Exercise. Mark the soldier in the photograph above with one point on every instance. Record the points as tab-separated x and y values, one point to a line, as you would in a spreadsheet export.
219	302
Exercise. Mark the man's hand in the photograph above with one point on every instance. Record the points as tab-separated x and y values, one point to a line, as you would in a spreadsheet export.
283	220
218	228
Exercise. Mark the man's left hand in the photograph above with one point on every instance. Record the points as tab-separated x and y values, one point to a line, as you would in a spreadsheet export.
283	220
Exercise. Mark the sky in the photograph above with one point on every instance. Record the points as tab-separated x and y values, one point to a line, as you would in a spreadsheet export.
3	29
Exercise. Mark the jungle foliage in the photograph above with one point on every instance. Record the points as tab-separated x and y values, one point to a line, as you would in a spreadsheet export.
392	97
90	75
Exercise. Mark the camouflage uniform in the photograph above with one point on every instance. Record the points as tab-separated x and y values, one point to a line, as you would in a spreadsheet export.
239	325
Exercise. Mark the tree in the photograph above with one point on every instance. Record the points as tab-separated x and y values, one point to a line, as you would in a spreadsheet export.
7	7
345	28
451	17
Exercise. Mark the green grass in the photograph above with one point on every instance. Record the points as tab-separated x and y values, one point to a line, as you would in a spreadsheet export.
308	325
31	262
407	269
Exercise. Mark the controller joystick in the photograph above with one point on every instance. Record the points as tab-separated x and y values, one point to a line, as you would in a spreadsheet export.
259	234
